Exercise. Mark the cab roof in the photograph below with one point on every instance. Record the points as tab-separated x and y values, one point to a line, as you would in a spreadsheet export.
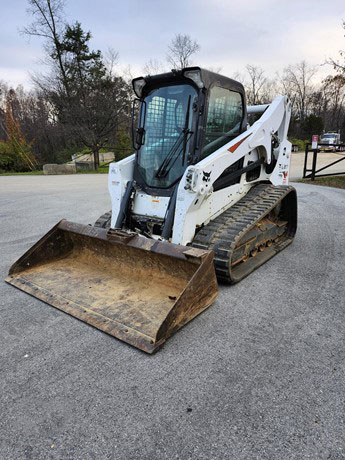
206	80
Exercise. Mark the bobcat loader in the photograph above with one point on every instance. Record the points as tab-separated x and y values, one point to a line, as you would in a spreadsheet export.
204	196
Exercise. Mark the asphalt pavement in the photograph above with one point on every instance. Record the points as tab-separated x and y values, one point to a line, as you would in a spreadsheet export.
259	375
323	159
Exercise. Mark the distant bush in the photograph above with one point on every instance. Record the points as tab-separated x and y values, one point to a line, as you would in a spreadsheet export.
65	155
7	159
300	142
14	159
121	149
123	146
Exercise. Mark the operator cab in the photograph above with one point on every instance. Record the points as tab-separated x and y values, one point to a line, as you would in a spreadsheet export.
183	116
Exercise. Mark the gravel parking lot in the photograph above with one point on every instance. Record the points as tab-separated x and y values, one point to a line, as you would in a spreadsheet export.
260	374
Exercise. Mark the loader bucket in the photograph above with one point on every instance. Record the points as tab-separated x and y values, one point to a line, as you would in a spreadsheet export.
136	289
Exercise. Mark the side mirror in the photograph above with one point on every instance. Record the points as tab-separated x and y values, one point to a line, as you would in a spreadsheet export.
138	123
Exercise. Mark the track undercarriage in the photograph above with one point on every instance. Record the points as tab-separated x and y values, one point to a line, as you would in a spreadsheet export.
251	232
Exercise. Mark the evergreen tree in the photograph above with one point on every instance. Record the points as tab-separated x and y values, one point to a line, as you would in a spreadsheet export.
90	101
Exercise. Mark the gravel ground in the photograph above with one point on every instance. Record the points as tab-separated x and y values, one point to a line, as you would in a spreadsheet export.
259	375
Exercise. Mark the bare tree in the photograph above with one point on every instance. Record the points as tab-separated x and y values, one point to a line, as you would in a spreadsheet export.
297	84
111	60
256	84
238	76
153	67
3	94
330	100
340	67
127	74
215	69
48	22
47	19
181	50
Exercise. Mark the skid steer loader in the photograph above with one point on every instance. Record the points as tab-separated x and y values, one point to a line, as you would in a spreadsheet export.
204	196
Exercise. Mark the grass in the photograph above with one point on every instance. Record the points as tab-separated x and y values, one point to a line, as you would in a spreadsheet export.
101	170
27	173
330	181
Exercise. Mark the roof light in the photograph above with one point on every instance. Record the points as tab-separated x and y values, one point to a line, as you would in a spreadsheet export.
138	85
195	76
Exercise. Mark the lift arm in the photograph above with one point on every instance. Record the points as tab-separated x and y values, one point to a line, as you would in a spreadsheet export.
196	184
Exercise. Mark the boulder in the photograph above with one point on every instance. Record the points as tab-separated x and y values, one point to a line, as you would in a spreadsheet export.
59	169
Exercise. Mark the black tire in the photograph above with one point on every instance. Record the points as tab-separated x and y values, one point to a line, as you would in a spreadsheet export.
104	220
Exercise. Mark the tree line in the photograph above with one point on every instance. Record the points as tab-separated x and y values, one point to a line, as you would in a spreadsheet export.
83	104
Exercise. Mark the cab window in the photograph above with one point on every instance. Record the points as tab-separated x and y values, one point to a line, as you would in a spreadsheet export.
224	116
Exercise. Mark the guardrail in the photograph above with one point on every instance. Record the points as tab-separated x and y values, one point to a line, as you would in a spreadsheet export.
313	172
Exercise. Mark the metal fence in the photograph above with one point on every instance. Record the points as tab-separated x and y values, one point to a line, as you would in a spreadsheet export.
314	172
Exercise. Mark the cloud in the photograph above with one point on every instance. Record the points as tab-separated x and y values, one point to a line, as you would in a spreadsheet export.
15	77
231	33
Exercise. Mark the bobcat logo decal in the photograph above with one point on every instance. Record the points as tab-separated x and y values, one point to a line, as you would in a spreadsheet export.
206	176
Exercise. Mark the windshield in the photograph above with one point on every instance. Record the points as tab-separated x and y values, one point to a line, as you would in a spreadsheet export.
328	136
168	113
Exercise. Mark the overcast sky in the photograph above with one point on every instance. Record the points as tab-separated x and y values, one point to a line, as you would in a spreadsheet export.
231	33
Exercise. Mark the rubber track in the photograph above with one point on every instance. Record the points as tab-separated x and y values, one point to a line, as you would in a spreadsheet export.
104	220
225	231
